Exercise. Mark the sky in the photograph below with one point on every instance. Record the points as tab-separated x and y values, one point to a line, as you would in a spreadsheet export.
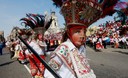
11	11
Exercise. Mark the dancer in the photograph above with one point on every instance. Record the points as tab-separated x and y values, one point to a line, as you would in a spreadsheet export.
69	59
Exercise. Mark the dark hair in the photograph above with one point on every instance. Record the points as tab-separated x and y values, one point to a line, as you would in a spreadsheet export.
12	40
65	36
123	30
2	39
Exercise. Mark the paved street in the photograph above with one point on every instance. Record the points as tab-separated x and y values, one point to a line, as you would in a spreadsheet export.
11	68
110	63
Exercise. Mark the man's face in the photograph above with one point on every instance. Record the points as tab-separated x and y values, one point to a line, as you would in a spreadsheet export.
40	37
78	36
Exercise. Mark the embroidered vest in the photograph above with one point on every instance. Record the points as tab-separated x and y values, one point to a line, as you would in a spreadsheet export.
77	63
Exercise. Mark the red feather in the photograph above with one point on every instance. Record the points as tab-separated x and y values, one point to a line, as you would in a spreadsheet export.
108	11
58	2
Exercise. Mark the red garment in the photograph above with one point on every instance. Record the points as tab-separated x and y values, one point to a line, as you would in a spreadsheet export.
37	68
22	56
99	46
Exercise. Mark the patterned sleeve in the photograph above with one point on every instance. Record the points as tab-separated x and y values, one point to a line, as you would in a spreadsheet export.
55	61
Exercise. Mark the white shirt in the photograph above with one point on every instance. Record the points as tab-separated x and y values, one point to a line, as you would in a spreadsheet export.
123	39
63	71
94	39
42	44
36	47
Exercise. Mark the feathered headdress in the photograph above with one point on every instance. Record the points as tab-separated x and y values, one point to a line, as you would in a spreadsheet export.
37	22
85	12
122	12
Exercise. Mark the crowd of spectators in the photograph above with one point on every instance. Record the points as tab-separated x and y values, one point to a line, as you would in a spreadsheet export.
112	34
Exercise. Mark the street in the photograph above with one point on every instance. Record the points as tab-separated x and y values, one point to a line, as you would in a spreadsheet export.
11	68
110	63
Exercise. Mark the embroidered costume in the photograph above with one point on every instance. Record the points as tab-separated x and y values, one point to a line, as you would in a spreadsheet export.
69	58
63	58
39	25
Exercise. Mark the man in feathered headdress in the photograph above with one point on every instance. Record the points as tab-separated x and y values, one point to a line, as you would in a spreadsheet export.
39	25
69	59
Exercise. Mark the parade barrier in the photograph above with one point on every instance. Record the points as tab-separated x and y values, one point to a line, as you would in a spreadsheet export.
41	60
